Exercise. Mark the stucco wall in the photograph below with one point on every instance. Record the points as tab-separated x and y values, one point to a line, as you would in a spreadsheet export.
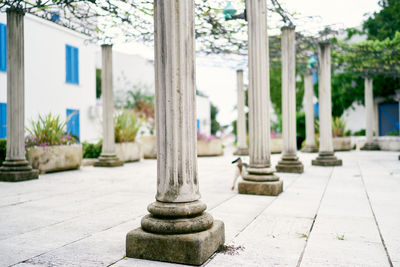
45	87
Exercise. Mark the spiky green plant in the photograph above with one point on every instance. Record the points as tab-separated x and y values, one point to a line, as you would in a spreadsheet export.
126	126
48	130
339	127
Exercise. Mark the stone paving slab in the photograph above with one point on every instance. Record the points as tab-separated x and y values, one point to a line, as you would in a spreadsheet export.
80	218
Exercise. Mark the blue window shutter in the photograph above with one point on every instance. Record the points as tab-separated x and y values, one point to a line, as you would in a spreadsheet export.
68	70
3	120
3	47
76	65
73	123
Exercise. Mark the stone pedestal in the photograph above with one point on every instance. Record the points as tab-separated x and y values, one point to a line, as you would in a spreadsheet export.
326	156
259	177
290	162
310	146
242	149
16	168
369	107
177	229
108	157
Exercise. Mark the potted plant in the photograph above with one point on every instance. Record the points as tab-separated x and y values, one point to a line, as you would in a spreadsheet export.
126	127
209	146
276	143
341	137
49	148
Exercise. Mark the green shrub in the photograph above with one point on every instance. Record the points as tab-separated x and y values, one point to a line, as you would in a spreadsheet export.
91	151
48	131
126	126
359	133
3	149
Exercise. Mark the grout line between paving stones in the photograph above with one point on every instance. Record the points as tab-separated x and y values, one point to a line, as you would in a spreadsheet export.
375	219
313	222
82	238
247	225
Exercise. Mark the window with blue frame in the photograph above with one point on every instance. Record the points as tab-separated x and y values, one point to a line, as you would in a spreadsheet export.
71	64
3	120
3	47
73	127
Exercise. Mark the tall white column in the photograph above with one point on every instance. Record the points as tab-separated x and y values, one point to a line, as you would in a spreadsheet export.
290	162
177	229
15	167
241	128
259	177
309	109
326	155
108	157
370	144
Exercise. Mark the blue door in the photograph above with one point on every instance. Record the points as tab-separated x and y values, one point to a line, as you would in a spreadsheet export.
3	120
73	123
388	118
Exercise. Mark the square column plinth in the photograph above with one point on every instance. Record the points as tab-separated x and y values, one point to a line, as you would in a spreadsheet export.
290	165
327	159
261	188
193	248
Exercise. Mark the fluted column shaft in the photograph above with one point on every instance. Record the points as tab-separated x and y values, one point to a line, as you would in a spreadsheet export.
259	91
309	109
325	106
289	92
241	120
175	102
369	107
108	101
15	86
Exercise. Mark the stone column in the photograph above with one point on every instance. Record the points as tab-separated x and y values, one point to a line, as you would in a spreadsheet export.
108	157
259	177
309	109
326	155
15	167
177	228
242	149
370	144
290	162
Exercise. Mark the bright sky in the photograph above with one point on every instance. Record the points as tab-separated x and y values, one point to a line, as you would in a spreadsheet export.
219	83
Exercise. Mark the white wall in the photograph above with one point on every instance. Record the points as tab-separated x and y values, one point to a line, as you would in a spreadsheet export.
355	117
130	70
203	112
45	87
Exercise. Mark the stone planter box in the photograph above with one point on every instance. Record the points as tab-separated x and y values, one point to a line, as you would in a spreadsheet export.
389	143
55	158
276	145
149	146
209	148
342	144
129	151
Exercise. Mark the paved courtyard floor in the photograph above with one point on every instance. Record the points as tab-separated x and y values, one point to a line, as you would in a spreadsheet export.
342	216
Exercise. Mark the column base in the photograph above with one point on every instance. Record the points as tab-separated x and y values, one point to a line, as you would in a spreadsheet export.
260	181
108	161
326	159
309	149
17	171
290	165
371	146
194	248
241	152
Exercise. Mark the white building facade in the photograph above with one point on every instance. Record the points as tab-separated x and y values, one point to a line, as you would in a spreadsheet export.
60	76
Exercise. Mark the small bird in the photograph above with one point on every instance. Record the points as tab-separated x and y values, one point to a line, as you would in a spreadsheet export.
239	170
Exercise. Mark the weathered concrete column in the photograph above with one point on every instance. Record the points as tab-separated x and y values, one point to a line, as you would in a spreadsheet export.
177	229
309	109
369	110
15	167
241	128
108	157
326	155
289	162
259	177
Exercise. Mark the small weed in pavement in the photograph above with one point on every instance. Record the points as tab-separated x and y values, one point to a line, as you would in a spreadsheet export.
230	249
